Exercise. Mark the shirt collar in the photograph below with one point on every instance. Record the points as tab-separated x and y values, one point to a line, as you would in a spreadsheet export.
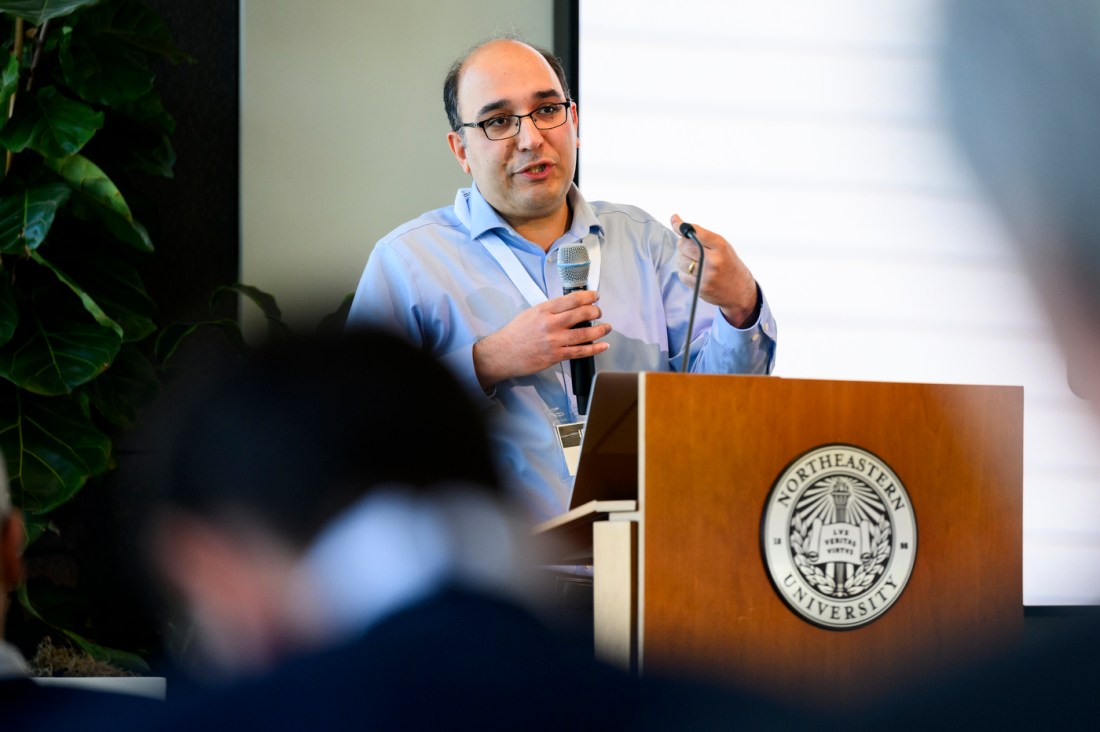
480	217
584	217
396	546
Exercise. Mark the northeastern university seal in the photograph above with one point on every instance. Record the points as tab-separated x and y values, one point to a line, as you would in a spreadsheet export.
839	536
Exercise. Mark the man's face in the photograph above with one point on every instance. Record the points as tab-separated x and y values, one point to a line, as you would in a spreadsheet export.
526	177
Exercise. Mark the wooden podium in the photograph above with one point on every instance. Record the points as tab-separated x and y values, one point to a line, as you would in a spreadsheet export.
676	473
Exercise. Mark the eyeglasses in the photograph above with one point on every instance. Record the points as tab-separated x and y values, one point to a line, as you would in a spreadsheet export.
503	126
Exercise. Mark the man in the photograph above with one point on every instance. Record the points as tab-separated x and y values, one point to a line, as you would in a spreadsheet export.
477	285
331	525
1021	80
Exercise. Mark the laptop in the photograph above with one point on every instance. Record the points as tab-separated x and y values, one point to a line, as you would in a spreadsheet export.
608	468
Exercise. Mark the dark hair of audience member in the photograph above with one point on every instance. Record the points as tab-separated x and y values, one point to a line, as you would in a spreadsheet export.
305	427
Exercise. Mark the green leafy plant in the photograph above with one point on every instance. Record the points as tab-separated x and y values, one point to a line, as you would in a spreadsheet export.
80	123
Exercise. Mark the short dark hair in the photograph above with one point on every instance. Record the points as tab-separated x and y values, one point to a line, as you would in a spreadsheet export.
450	83
304	427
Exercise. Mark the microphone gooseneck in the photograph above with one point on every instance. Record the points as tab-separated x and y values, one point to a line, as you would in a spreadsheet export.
573	266
688	231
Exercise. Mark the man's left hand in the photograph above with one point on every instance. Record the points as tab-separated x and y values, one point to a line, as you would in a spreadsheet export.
727	282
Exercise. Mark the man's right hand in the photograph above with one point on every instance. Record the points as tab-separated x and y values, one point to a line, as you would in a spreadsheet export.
540	337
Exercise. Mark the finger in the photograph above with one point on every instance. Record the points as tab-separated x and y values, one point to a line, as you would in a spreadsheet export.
586	314
580	314
687	262
688	249
709	240
676	221
573	300
581	336
583	351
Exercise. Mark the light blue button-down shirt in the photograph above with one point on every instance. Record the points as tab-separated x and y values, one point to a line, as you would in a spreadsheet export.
433	281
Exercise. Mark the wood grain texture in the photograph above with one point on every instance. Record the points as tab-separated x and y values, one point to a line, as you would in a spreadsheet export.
715	446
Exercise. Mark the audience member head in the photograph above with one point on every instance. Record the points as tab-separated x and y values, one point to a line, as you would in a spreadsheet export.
262	460
1021	79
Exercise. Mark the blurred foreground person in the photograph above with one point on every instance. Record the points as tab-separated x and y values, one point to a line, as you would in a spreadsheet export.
333	529
1023	84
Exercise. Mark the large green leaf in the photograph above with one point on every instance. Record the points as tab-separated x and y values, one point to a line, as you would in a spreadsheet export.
9	82
132	22
173	336
50	124
86	299
26	214
52	449
9	309
116	287
37	11
276	328
63	613
149	152
130	385
35	526
102	70
106	54
144	129
114	656
333	323
55	349
100	199
149	112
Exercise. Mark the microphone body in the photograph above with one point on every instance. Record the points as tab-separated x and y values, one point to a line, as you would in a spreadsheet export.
573	266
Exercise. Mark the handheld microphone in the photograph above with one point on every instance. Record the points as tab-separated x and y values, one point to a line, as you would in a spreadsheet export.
573	266
688	231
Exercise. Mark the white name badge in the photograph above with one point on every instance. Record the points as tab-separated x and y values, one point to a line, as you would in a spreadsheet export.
569	437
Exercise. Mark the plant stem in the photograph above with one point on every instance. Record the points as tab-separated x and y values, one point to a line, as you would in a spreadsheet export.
39	41
16	51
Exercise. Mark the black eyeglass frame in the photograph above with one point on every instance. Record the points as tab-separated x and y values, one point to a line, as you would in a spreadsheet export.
518	120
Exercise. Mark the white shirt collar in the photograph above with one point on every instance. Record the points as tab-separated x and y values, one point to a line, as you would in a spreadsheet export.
395	547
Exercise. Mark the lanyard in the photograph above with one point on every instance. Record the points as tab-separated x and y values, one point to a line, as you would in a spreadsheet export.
522	279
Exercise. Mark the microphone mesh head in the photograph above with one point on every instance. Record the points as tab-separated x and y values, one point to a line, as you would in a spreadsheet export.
573	264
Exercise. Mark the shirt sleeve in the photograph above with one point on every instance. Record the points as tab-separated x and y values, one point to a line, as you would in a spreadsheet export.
389	297
386	296
730	350
717	347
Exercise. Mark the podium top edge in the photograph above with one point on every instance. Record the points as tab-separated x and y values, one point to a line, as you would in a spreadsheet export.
591	511
813	380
